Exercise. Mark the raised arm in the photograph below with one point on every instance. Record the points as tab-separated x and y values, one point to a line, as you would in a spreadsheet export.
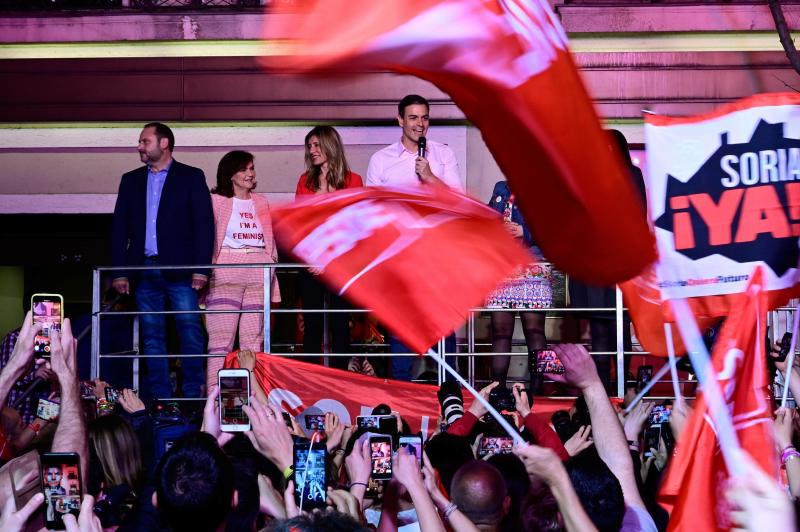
581	372
70	434
20	360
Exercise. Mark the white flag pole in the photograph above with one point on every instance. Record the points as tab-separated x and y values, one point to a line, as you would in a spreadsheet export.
701	361
790	359
673	369
478	397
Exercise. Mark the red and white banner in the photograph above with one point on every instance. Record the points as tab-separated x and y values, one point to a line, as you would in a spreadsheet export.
297	386
724	196
695	483
506	64
419	258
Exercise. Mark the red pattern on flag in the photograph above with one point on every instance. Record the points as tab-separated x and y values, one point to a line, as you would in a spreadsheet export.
507	66
419	258
695	483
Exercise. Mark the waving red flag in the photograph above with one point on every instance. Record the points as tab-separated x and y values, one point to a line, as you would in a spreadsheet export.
696	479
505	63
419	258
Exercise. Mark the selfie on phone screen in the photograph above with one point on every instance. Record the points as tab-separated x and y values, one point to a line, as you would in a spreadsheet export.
61	486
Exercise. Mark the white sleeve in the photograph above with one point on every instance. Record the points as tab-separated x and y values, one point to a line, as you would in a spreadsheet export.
451	176
374	172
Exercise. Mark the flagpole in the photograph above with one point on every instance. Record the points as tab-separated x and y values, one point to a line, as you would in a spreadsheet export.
647	387
673	369
701	361
495	414
790	361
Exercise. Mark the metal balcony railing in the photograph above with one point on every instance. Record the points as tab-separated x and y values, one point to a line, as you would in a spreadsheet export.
468	348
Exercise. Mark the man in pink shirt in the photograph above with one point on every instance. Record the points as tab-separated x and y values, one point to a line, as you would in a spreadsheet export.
399	164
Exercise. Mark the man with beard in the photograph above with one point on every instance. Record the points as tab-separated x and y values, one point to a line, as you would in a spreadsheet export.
163	216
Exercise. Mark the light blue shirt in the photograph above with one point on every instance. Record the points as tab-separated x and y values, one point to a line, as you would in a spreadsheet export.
155	184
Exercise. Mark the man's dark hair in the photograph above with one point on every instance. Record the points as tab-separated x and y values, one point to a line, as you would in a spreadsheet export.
318	522
194	484
480	492
598	490
162	132
447	453
411	99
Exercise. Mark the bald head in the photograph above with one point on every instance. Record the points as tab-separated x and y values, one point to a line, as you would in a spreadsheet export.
480	493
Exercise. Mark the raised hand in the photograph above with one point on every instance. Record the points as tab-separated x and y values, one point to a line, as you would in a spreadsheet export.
579	441
269	433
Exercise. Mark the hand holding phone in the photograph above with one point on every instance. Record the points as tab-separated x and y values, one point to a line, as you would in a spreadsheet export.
315	422
47	410
234	393
547	361
61	486
413	446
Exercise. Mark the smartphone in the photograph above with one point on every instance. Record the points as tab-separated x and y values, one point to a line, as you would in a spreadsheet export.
643	375
47	310
652	437
234	393
373	490
112	395
47	410
380	448
490	445
660	414
287	419
61	486
373	422
315	421
548	362
413	445
310	483
786	343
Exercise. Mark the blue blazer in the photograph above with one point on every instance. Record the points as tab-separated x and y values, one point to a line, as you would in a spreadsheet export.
498	201
184	226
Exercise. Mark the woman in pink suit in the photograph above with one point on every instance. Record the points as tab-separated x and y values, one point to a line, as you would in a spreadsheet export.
243	236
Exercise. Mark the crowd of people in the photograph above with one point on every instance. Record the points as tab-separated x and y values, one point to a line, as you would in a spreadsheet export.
590	468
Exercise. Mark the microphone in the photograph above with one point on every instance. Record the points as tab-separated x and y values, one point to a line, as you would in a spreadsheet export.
423	144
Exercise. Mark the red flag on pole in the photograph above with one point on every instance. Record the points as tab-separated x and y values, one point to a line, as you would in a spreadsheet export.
419	258
506	64
695	484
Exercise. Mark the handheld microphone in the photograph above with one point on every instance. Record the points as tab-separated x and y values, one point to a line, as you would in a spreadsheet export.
423	144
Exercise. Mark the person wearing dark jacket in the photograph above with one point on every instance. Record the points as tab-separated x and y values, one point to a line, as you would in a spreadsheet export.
163	216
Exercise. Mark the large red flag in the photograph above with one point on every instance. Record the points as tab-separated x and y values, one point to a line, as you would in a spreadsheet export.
506	64
299	386
696	479
419	258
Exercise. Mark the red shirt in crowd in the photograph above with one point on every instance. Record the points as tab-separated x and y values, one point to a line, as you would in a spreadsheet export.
351	180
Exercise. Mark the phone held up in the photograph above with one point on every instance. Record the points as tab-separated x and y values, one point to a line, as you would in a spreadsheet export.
61	486
413	446
234	393
47	310
380	449
310	477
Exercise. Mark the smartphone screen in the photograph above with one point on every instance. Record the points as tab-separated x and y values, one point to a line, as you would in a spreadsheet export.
413	446
660	414
112	395
47	410
373	422
234	393
495	445
380	448
61	486
373	490
310	483
315	421
47	310
643	376
547	362
652	435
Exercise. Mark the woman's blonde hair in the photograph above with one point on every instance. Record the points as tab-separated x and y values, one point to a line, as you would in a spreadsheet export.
330	143
117	448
